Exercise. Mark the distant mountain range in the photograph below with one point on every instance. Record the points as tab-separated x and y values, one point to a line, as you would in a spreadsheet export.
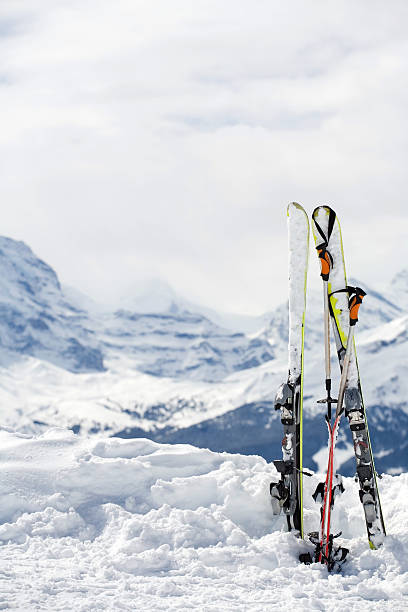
35	317
165	368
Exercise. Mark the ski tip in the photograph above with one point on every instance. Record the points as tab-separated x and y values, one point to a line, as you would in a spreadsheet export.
322	209
293	205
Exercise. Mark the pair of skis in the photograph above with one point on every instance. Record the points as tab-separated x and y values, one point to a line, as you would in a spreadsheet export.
341	304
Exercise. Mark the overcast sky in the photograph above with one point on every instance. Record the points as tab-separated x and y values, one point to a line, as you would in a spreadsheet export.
165	138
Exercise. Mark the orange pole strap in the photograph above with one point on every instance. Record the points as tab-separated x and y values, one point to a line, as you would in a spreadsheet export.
325	262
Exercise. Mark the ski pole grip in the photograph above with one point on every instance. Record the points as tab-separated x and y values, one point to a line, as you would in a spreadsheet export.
355	302
325	261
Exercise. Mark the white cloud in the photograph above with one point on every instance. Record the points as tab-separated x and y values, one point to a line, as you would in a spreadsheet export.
166	138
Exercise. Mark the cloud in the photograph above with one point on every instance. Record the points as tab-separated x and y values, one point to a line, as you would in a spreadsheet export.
166	139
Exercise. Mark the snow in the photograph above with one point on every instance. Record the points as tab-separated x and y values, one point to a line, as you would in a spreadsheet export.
341	456
111	524
34	392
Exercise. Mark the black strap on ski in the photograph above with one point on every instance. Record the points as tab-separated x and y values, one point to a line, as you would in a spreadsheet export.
332	219
326	260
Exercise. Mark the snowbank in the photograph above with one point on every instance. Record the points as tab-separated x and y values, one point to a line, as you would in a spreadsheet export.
112	524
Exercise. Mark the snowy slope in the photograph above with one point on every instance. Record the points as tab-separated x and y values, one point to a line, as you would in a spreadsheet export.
108	524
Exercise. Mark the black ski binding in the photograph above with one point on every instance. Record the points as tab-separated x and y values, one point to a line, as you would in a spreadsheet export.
336	555
306	558
279	496
279	491
337	489
284	403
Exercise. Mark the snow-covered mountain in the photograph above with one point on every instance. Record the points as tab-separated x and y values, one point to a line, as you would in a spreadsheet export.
181	344
157	296
398	289
35	317
159	366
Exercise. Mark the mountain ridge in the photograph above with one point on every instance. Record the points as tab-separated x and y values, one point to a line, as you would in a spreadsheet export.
35	317
175	375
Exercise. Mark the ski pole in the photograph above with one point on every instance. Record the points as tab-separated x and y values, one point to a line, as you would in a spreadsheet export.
326	263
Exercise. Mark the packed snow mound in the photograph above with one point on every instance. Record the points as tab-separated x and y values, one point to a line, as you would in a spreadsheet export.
111	524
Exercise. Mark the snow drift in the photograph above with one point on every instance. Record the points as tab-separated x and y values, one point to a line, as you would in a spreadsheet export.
112	524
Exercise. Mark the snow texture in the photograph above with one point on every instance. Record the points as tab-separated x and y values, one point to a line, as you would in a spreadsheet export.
97	524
